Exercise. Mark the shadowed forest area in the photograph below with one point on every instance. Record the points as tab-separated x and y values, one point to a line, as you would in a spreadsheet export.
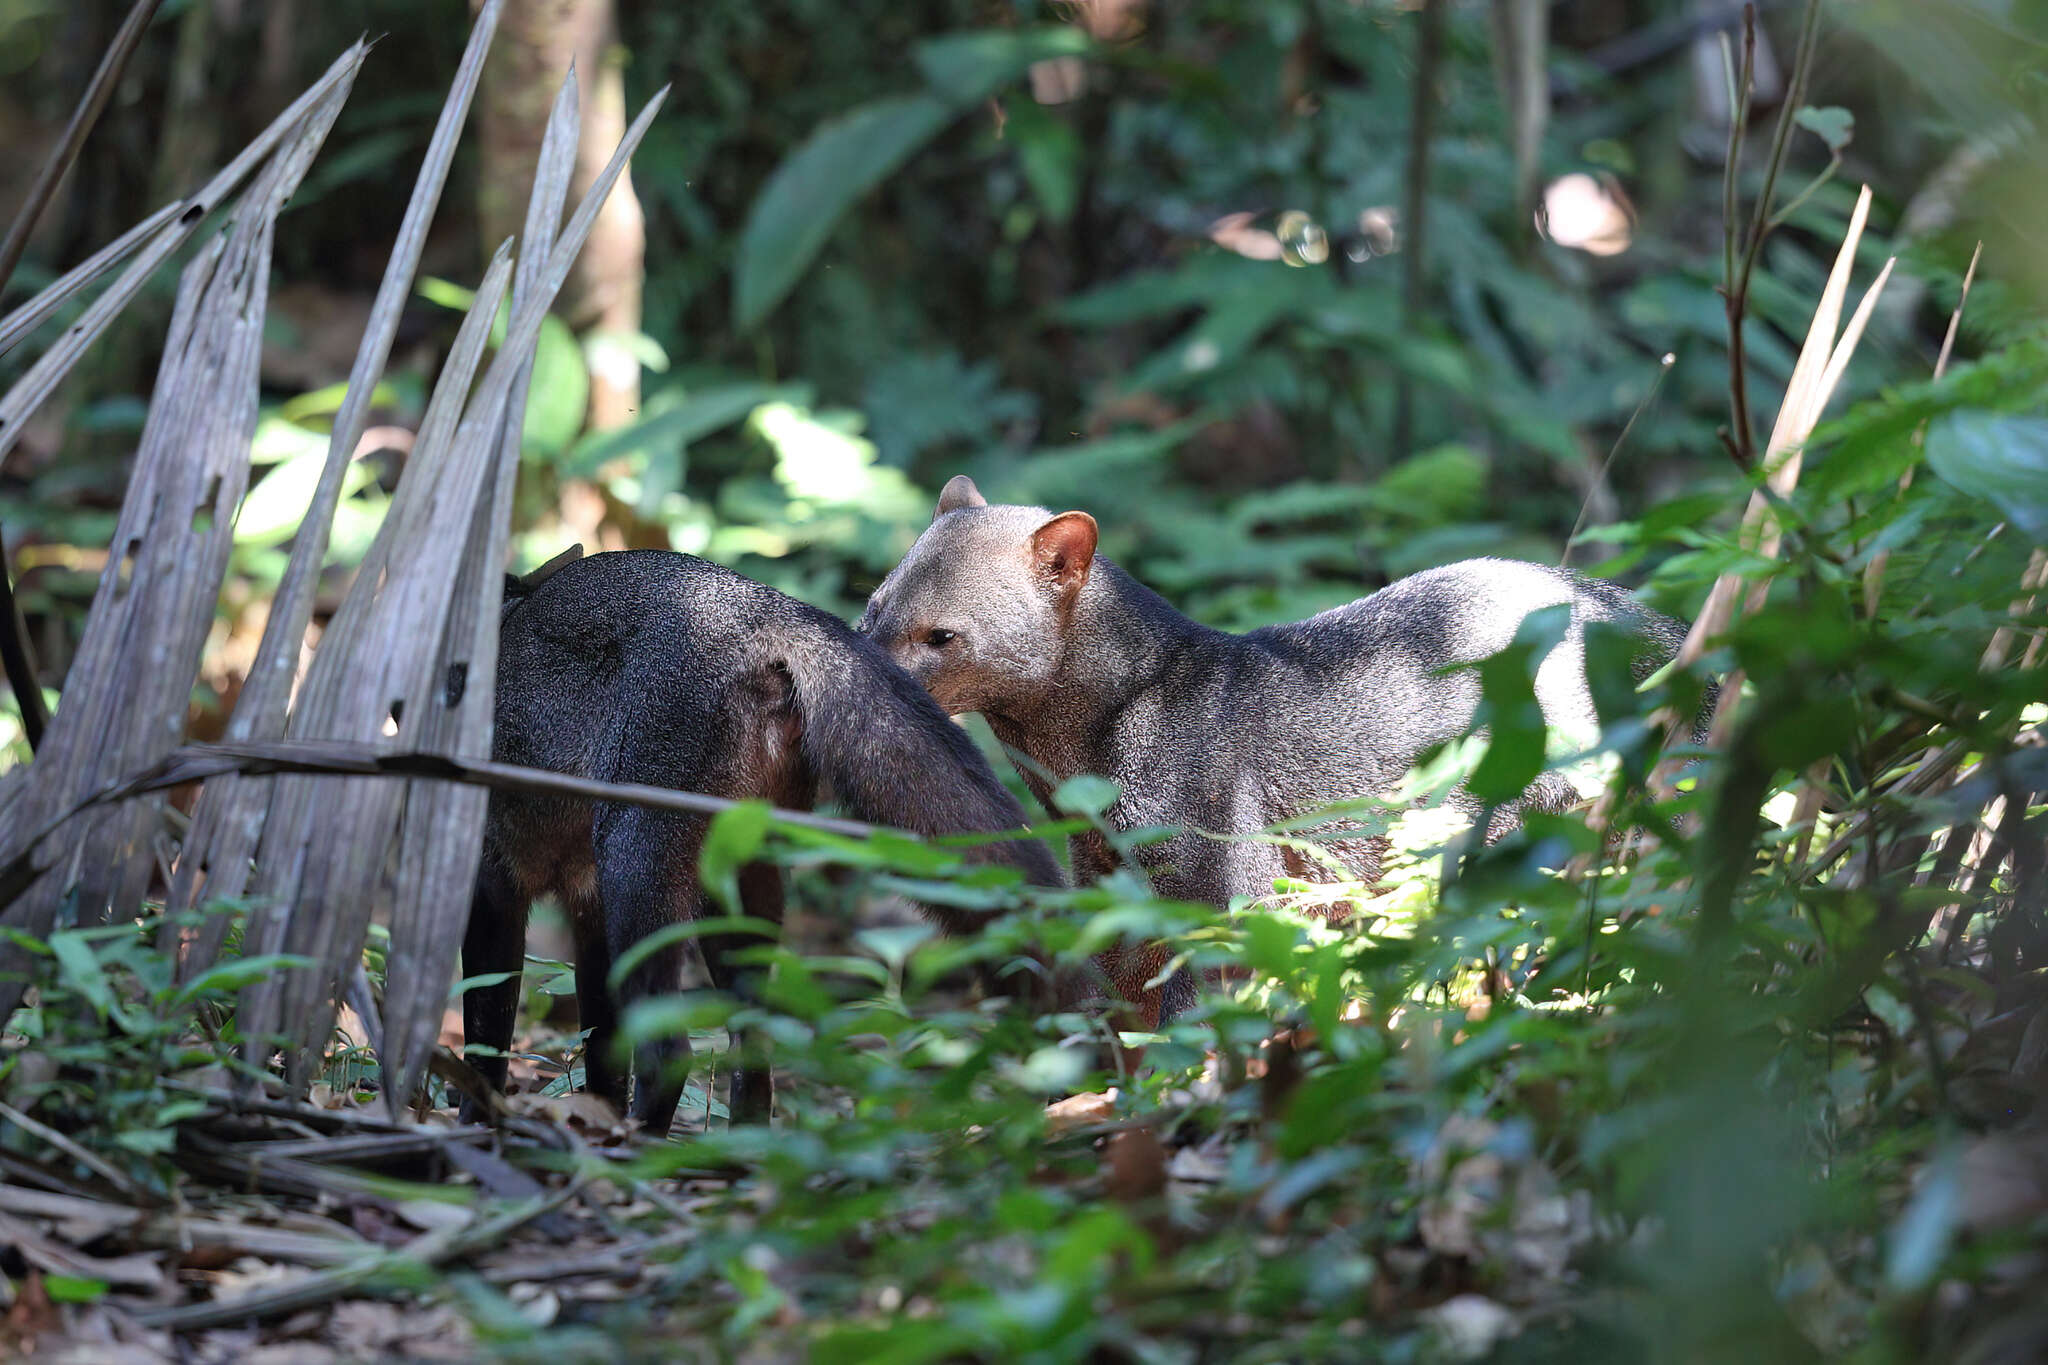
1739	1052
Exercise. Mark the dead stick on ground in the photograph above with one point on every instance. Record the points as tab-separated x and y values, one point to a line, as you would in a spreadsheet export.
428	1249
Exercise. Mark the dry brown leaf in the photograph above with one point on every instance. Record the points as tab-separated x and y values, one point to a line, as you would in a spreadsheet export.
31	1317
586	1113
1078	1111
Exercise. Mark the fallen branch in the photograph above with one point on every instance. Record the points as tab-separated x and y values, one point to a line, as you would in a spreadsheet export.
430	1249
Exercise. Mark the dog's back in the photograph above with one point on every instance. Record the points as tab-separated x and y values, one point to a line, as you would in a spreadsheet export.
659	669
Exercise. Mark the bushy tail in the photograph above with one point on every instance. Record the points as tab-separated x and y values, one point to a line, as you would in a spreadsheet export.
892	756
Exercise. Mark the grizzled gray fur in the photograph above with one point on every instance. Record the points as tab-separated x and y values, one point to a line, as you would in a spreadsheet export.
1008	611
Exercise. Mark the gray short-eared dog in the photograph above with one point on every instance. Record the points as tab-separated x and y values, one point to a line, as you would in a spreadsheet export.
1008	611
657	668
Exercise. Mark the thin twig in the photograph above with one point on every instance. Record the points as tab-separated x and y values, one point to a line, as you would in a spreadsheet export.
1600	474
1737	288
1429	46
430	1249
1741	91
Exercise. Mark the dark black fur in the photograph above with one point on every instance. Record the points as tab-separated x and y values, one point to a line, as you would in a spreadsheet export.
658	668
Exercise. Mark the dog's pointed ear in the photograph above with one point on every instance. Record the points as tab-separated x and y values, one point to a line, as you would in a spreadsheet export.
959	492
1064	550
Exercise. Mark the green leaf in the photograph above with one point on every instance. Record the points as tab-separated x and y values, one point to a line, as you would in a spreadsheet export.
671	934
480	982
967	68
79	968
1833	125
894	943
73	1289
2002	459
1049	1071
1049	155
560	394
226	977
1086	795
148	1141
674	419
1510	711
812	189
735	836
326	401
273	509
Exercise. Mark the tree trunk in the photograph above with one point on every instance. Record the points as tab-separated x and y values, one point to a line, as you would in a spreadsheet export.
537	40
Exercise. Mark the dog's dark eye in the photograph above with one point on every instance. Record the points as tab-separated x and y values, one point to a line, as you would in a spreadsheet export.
938	639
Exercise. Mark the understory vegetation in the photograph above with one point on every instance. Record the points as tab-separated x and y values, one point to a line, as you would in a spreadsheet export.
1744	1057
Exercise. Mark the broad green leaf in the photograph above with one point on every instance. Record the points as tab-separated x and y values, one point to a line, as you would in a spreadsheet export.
669	935
734	837
1509	709
79	968
236	973
604	347
2000	458
1049	155
1049	1071
1086	795
810	191
894	943
1225	333
560	394
273	509
479	982
324	402
674	419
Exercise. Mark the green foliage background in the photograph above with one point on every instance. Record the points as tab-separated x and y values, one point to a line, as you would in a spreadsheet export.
1742	1087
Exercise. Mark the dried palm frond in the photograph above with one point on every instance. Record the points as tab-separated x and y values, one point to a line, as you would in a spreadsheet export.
407	663
375	676
229	818
130	684
444	822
